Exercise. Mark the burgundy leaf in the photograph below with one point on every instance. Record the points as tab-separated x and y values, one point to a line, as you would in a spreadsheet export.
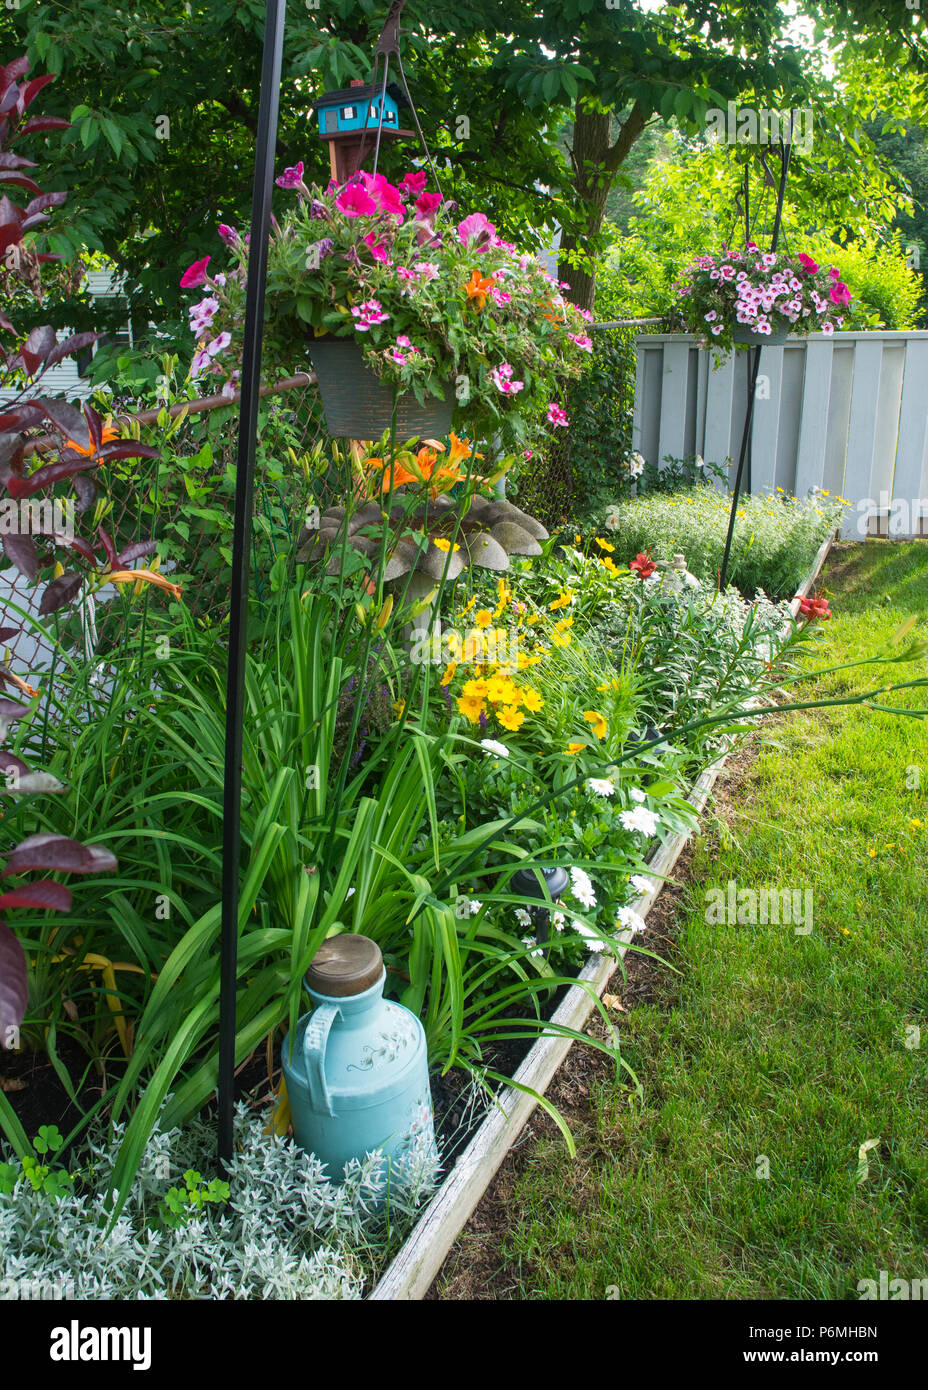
11	445
79	545
128	449
19	180
106	541
50	473
14	986
8	160
85	490
21	550
61	855
45	256
5	323
10	763
42	894
32	89
58	593
34	351
135	551
13	71
9	709
5	634
95	425
63	416
42	123
68	346
23	417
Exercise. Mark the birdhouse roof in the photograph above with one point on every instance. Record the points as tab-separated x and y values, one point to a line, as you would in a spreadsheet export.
346	94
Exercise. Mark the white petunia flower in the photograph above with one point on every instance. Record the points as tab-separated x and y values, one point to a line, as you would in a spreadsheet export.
640	820
601	786
490	745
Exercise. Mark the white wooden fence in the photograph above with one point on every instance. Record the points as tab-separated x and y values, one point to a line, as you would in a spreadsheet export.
847	413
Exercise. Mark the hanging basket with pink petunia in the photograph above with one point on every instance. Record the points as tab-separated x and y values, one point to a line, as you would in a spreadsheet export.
397	300
754	297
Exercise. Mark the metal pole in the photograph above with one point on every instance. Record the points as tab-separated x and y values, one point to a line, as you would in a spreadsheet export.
238	613
785	154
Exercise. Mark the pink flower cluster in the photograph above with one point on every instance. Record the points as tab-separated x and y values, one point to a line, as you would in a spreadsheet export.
761	290
502	380
368	314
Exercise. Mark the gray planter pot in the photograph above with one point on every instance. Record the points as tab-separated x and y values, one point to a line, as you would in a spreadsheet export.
358	405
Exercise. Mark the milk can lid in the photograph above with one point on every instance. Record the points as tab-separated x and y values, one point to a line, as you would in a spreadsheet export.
345	964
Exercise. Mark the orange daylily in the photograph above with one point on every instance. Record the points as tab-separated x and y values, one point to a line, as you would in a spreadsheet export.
143	576
460	449
478	287
109	433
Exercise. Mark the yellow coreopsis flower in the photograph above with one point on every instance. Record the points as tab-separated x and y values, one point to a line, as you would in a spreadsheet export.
483	617
448	674
441	544
510	717
574	748
474	690
564	599
600	727
604	545
470	707
609	565
531	699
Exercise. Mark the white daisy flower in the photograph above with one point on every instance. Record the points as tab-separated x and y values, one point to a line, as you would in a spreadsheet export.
532	946
630	921
593	942
490	745
582	888
641	883
601	786
523	917
558	921
637	794
475	907
640	820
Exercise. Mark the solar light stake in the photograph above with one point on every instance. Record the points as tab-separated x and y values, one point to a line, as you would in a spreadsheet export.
528	884
238	612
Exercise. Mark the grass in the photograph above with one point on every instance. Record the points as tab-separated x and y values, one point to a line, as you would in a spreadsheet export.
768	1044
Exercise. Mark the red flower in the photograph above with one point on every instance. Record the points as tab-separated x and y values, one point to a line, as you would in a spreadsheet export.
643	565
194	275
812	608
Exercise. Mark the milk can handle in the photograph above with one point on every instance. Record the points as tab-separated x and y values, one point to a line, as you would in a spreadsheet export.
314	1041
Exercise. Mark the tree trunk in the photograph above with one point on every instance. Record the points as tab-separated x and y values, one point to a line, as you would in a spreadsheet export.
596	160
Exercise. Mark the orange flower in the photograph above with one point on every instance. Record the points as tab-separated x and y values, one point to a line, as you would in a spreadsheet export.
143	577
460	449
109	433
478	287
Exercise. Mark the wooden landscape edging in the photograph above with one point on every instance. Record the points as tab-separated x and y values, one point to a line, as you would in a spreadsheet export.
413	1269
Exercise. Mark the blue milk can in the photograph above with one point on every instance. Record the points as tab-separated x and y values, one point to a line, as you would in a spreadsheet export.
358	1079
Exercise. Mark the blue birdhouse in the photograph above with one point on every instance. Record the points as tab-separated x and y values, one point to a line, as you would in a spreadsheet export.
352	115
357	108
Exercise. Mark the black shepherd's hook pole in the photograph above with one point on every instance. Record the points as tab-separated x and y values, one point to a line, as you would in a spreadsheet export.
238	612
786	149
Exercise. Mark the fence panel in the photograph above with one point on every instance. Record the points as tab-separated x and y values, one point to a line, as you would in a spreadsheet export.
847	413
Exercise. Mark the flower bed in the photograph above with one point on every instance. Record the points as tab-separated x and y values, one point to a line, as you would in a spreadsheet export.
774	540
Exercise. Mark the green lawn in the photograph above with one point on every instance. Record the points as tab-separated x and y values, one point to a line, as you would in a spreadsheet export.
770	1043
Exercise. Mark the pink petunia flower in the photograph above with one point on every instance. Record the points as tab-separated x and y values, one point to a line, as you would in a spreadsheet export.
354	201
427	203
476	231
415	181
195	275
556	416
292	177
378	250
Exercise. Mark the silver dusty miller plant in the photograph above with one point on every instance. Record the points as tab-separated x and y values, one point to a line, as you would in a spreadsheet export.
285	1231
